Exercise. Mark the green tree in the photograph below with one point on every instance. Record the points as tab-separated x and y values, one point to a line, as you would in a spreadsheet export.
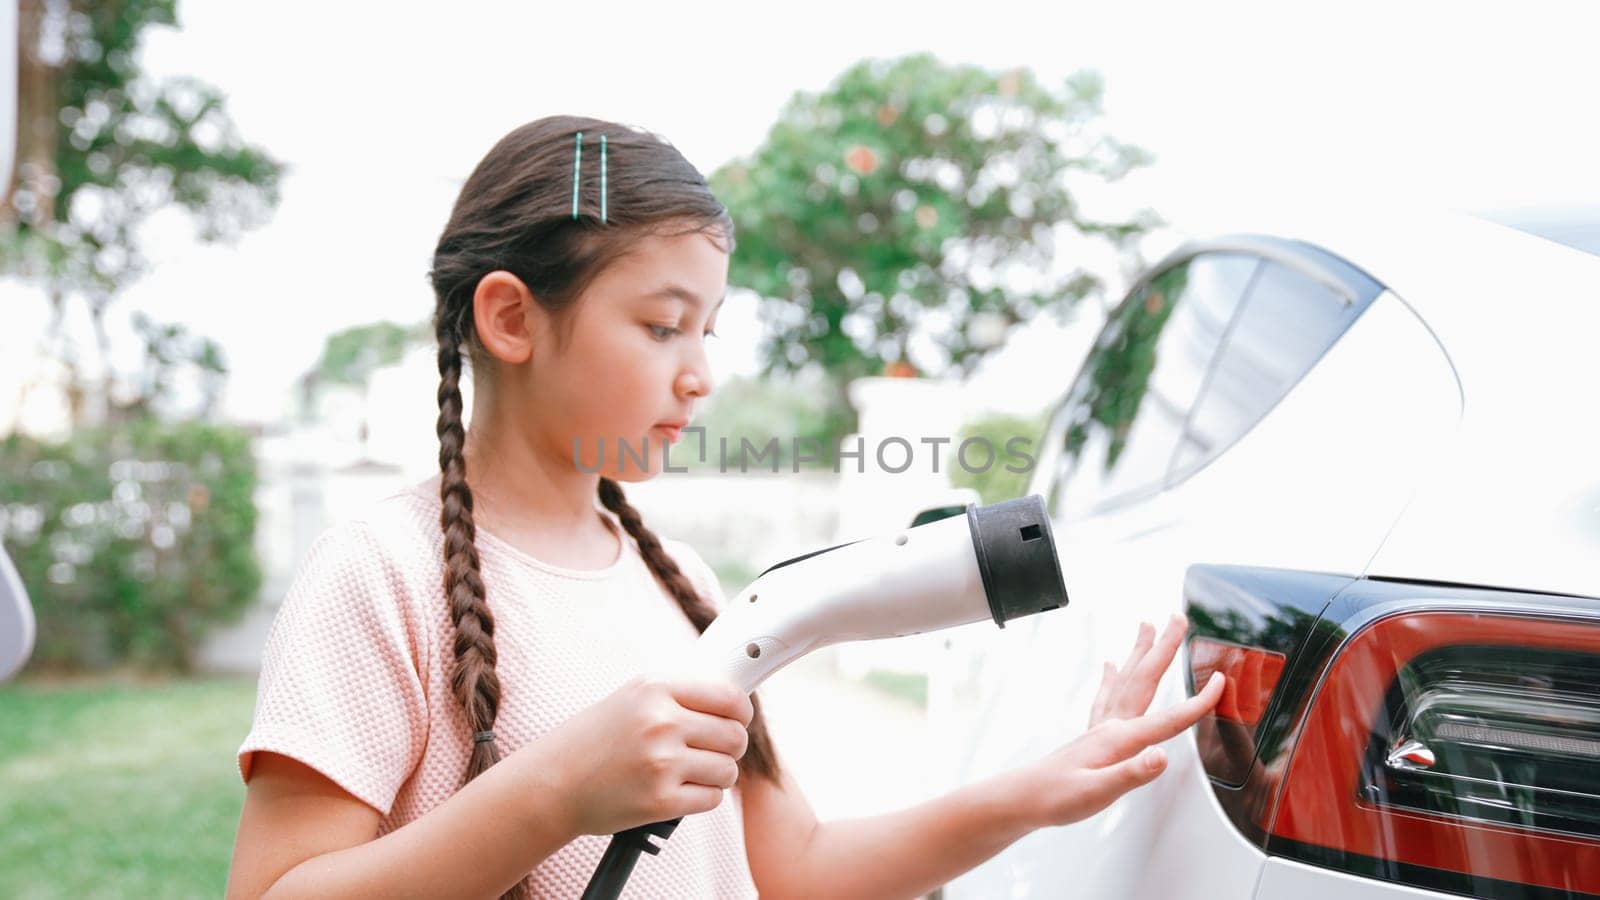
350	356
169	349
101	146
918	199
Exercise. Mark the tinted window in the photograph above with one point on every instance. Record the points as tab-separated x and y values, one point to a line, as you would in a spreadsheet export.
1287	321
1125	413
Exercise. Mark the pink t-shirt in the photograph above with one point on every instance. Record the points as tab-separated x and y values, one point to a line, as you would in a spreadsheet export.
354	681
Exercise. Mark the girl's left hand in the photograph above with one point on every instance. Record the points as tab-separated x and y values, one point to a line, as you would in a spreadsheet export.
1115	755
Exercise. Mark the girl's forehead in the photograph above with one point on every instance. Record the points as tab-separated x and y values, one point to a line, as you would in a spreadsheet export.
687	267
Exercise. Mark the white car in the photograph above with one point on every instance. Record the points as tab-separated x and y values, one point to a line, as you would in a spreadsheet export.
1365	462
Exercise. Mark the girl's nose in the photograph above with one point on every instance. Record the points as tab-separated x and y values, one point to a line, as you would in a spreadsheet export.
695	379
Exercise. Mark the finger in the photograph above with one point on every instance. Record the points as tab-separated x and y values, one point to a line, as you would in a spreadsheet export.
698	798
709	732
1156	727
718	770
1139	686
1107	784
718	698
1102	699
1141	644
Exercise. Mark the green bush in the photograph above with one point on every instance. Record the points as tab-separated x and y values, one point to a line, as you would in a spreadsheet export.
134	542
997	482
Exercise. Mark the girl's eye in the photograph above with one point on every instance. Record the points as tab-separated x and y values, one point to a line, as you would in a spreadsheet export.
663	332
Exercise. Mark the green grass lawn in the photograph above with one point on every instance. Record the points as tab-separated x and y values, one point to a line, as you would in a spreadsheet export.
120	790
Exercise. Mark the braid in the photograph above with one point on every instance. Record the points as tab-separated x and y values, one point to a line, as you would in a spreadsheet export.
515	214
760	757
473	682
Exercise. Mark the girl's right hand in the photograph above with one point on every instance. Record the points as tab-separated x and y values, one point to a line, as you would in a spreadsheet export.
1118	752
657	748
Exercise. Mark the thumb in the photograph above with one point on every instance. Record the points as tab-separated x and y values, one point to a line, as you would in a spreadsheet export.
1113	781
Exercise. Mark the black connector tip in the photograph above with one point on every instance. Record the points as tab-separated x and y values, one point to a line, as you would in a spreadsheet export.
1017	558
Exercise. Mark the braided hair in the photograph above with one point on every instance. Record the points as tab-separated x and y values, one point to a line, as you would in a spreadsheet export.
514	214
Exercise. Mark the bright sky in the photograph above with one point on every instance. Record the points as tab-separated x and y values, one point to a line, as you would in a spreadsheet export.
380	114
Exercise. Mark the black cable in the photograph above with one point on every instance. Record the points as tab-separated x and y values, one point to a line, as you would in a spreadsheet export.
621	854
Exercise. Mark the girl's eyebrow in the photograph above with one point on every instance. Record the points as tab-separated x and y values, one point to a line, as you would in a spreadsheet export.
684	294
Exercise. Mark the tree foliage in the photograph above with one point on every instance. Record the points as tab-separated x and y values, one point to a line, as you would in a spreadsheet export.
350	356
915	201
102	146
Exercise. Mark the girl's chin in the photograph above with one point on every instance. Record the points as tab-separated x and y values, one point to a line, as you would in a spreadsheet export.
630	471
632	475
627	461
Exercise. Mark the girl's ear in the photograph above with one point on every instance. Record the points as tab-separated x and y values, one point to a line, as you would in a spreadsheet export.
506	316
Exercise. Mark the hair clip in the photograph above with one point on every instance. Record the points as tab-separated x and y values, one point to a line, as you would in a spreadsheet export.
577	169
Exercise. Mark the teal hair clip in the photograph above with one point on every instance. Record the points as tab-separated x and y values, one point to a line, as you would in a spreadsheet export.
577	171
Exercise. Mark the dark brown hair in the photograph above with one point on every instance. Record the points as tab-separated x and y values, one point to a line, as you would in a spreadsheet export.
515	213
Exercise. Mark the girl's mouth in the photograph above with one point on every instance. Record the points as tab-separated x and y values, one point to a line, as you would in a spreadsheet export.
671	432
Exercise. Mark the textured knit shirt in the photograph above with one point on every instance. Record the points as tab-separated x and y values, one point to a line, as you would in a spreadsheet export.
355	677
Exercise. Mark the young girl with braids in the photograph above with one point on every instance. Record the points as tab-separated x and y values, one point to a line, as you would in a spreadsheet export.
457	697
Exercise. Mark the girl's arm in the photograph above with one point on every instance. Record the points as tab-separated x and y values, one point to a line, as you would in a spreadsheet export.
902	854
913	851
655	749
301	835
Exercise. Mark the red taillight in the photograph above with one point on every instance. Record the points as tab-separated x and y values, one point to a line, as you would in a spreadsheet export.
1459	742
1252	673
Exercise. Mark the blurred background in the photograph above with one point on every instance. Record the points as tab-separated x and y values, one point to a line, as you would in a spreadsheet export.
213	259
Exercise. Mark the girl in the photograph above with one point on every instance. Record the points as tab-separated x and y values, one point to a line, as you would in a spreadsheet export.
411	739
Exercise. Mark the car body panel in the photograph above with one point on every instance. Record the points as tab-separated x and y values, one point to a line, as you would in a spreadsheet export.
1377	409
1516	501
1287	878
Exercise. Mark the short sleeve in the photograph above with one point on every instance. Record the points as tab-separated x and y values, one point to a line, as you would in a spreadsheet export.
340	689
